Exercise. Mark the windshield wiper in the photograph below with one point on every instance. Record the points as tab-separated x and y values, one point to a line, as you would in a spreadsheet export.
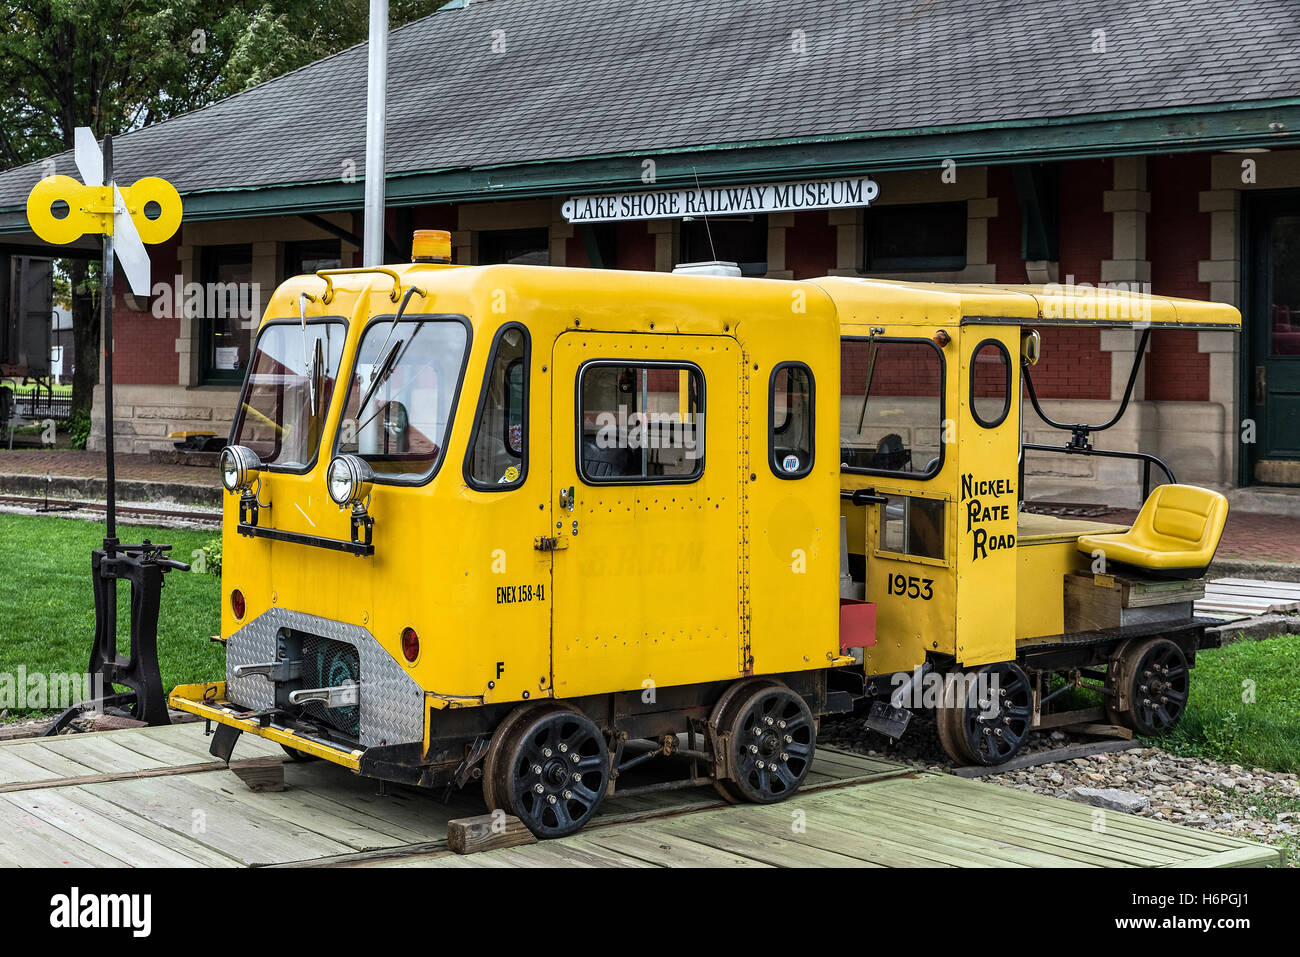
380	373
306	358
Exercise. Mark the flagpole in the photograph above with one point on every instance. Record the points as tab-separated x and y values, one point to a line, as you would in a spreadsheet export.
376	108
106	304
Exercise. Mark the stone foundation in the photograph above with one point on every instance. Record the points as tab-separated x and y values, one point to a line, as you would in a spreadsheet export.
145	415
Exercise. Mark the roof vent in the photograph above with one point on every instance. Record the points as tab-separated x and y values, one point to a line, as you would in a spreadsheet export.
715	268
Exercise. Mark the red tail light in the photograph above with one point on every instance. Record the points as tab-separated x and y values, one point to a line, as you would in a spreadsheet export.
410	643
237	603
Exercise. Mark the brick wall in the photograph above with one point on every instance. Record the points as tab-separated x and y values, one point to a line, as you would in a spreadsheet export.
1178	237
1004	228
1073	365
144	350
810	245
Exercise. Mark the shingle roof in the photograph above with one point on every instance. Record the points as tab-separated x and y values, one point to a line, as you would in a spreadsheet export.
580	78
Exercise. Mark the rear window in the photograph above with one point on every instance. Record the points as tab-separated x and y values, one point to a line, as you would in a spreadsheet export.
790	404
892	400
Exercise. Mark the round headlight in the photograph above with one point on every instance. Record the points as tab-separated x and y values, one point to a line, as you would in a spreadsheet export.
238	466
348	480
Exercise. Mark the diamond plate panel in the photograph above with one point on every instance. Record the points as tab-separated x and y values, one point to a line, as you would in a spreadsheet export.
392	704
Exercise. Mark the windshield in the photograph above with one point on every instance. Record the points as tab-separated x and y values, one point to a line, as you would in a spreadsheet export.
277	418
402	394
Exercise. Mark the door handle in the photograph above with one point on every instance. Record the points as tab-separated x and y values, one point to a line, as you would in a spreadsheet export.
567	498
1261	385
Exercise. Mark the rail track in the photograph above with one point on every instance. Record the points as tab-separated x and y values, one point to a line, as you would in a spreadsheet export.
154	514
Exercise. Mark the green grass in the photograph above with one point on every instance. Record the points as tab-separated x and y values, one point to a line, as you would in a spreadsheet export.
47	614
1245	706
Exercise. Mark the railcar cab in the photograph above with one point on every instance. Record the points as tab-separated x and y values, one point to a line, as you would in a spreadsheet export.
470	507
974	592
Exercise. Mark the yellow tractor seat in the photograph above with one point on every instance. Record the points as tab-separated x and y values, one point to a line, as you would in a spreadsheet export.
1174	536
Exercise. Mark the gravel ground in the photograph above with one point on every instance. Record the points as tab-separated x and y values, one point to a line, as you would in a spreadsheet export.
1248	803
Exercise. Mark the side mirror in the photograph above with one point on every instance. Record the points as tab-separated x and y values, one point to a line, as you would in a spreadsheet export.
1031	348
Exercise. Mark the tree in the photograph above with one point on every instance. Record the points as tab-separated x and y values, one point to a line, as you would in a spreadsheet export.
118	65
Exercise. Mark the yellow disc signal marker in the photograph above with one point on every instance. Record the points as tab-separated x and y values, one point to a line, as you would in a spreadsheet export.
156	196
89	209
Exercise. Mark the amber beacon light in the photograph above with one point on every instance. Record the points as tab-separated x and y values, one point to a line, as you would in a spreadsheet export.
431	246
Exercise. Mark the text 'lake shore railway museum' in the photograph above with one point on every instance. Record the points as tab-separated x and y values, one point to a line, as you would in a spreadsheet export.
1149	146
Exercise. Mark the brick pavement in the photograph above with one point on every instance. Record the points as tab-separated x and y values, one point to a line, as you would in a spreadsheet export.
91	465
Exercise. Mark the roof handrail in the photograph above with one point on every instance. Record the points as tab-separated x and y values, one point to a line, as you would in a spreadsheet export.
395	295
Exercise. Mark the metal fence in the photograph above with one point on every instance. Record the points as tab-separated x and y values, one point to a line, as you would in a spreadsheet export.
43	406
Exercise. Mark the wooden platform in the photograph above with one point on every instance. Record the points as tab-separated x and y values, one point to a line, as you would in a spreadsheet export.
155	797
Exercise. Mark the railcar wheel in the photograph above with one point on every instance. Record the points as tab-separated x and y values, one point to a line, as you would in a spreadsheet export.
555	773
990	724
773	737
1154	678
496	759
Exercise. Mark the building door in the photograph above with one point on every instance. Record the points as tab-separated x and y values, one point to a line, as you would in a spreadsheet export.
644	509
1272	380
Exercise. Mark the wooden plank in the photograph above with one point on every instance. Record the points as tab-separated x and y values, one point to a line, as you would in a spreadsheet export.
218	821
17	770
128	845
716	831
355	830
101	752
670	848
1014	826
1126	838
260	774
950	845
1067	753
570	852
29	841
181	843
1260	856
1164	830
861	842
487	832
63	767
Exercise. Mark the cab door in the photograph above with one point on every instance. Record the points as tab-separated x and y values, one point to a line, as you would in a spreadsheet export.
645	511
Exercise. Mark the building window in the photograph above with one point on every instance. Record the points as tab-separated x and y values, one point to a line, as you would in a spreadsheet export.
930	237
228	313
790	405
305	258
640	424
527	247
892	394
737	239
498	456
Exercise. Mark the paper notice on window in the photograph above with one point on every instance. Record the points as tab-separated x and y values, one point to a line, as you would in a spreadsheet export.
227	357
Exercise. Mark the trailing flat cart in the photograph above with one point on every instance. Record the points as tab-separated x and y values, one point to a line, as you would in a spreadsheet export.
988	614
549	529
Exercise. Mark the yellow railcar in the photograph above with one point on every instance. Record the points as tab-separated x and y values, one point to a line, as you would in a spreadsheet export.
535	526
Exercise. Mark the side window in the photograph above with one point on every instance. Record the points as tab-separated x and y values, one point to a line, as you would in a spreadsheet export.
640	424
990	383
910	525
790	408
891	393
498	452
